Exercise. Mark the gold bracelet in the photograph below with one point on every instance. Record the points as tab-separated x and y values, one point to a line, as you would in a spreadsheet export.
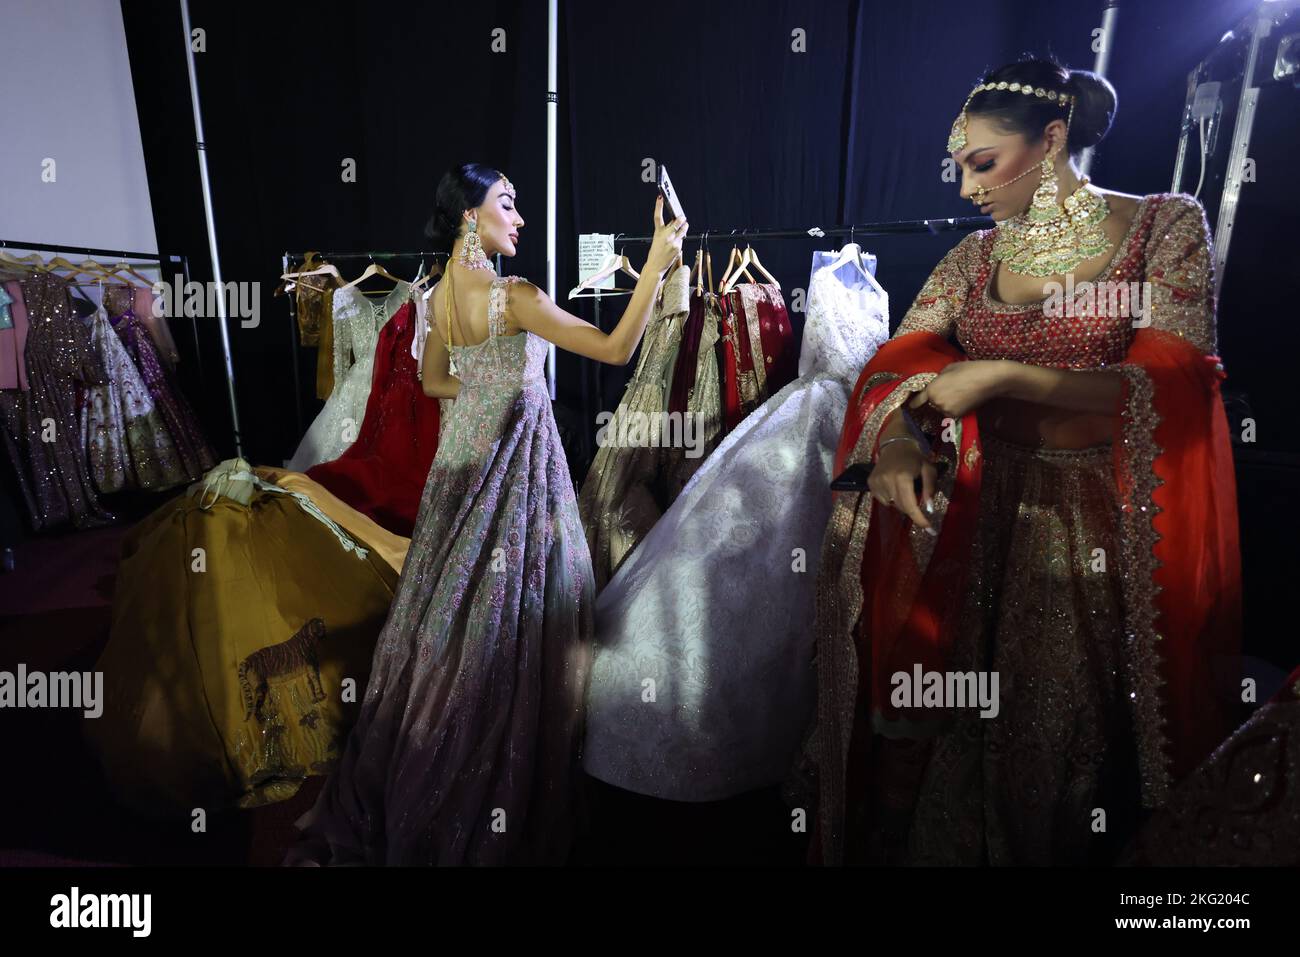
898	438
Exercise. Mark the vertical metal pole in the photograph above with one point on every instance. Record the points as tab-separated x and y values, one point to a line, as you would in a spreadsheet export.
597	373
293	343
1240	144
201	148
1109	14
552	109
1185	130
194	322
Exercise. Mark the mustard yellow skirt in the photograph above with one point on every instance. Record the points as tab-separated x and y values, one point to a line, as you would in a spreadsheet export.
241	639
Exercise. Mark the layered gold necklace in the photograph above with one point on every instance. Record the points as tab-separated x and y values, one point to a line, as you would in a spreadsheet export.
1050	239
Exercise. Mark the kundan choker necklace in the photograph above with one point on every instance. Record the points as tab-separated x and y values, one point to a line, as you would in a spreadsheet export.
1050	239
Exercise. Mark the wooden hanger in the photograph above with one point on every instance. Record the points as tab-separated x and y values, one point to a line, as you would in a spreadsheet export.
29	264
90	267
374	269
614	262
125	267
318	268
703	264
58	262
752	255
731	262
735	262
435	269
741	268
697	269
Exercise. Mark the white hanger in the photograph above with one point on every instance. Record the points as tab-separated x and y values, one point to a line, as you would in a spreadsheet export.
321	268
852	252
614	262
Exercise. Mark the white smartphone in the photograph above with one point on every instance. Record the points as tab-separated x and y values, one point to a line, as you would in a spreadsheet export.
670	195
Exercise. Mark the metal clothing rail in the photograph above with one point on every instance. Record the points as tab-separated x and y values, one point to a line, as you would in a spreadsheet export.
287	261
934	226
88	250
124	254
93	251
852	231
328	256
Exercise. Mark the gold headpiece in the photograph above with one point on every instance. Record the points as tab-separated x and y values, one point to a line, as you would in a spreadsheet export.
510	187
957	138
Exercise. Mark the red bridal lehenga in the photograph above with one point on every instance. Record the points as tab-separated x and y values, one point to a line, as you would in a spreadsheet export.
1101	582
383	472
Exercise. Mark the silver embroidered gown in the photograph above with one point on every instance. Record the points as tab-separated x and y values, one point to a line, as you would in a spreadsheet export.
466	749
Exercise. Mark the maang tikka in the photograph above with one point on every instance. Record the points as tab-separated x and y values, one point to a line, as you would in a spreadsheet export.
1050	238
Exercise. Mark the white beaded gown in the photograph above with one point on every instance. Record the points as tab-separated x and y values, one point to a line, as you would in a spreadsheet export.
357	321
703	683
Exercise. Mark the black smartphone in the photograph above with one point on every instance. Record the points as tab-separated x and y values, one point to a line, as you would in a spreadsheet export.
854	478
669	194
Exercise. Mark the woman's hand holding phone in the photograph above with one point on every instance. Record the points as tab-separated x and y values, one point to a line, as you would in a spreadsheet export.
667	243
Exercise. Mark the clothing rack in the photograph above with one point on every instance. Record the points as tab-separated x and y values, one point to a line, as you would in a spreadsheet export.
328	256
135	258
93	252
287	262
852	231
903	226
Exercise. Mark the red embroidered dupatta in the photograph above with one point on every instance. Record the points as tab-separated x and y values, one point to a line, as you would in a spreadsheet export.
888	596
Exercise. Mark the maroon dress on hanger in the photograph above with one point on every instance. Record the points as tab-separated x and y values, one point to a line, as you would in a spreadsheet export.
780	349
687	357
382	474
759	354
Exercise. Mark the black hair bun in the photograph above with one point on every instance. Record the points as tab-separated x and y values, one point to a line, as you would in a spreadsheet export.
442	230
1094	111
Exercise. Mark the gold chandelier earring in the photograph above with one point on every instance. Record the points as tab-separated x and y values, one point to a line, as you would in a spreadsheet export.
471	251
1051	238
1044	208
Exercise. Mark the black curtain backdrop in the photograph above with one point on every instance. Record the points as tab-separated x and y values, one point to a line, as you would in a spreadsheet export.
849	128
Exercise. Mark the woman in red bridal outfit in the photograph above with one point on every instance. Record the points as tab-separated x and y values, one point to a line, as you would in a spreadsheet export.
1081	544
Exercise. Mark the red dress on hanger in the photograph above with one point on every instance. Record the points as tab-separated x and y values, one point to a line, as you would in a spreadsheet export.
687	356
382	474
759	355
729	363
